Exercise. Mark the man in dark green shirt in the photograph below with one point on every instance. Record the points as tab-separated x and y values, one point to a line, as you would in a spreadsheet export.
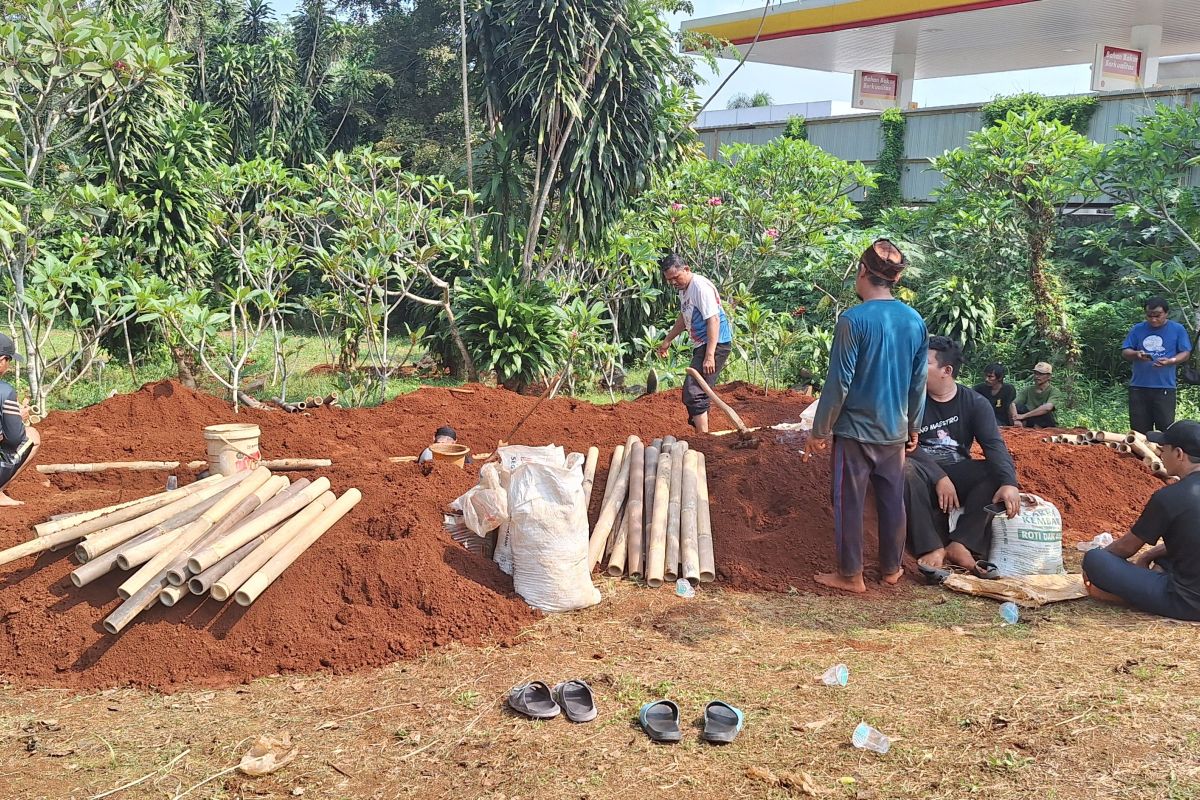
1036	402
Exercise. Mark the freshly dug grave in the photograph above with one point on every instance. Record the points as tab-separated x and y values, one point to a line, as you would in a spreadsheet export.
387	582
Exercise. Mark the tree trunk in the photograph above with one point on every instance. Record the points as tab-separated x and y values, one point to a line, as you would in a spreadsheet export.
184	366
1050	315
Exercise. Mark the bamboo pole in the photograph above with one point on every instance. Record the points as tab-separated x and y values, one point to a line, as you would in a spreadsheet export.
1114	438
671	567
155	569
45	542
614	471
1141	450
108	466
199	584
257	584
689	544
276	541
108	538
101	565
170	595
1134	436
612	540
649	481
1153	463
620	546
656	548
122	511
633	517
612	505
293	464
589	474
150	580
704	541
135	555
1122	448
204	558
178	573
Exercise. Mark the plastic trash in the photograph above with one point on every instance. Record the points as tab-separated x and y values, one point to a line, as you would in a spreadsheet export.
172	483
1010	613
837	675
1098	541
683	588
867	738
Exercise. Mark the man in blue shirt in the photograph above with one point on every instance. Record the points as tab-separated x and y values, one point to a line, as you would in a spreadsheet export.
872	404
701	314
1155	347
18	444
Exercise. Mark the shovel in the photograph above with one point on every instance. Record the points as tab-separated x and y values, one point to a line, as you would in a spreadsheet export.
651	383
744	438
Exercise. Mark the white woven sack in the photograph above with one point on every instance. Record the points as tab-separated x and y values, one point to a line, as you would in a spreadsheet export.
1031	542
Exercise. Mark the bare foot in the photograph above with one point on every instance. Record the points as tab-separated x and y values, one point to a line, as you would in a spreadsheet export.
835	581
894	578
8	502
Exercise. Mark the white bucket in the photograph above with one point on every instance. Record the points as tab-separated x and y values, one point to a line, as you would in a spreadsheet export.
232	447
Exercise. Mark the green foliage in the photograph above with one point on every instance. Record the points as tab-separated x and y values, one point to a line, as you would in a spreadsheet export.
1074	112
585	108
958	307
587	351
889	169
755	205
1102	327
1002	195
757	100
797	128
511	328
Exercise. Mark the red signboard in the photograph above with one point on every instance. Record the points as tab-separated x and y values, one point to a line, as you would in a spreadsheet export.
1116	68
876	90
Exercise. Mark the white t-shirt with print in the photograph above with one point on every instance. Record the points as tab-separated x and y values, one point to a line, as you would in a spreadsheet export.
697	303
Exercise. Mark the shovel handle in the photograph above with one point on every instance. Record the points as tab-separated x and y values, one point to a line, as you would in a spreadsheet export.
721	404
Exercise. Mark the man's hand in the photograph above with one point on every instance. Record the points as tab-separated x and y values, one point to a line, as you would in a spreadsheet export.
1163	362
816	445
710	364
663	349
1011	498
1142	355
947	495
26	412
1145	559
912	443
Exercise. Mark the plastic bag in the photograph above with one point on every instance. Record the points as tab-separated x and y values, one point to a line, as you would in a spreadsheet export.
1031	542
511	457
548	534
485	507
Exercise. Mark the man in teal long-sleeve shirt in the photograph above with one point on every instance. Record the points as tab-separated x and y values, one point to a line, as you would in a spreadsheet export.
872	403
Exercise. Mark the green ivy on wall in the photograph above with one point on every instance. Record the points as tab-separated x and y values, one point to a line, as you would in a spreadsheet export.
1074	112
888	168
796	128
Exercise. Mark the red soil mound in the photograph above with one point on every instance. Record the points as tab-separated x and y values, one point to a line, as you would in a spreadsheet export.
387	582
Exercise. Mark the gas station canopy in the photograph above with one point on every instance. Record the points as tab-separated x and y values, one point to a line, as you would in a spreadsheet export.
938	38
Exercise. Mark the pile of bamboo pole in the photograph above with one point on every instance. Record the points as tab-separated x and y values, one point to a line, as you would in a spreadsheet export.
1132	444
227	536
655	522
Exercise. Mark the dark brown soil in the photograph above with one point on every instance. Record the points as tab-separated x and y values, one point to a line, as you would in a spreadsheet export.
387	582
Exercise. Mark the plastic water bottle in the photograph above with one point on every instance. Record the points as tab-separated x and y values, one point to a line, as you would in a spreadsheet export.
1098	541
1010	613
867	738
837	675
684	589
172	483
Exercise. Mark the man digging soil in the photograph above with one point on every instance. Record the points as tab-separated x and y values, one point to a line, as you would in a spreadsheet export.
18	444
701	314
872	404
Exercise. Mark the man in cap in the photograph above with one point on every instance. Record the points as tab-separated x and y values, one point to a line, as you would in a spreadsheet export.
18	444
1165	579
1036	402
701	314
871	405
444	434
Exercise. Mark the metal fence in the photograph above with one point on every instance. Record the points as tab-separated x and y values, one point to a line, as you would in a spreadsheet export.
931	132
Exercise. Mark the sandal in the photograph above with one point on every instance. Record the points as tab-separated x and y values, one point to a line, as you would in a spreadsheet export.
534	700
722	722
660	720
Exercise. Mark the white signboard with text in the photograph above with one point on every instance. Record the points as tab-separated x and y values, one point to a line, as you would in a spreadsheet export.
1117	68
876	90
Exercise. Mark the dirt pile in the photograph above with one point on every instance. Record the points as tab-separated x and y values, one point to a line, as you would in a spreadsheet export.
387	582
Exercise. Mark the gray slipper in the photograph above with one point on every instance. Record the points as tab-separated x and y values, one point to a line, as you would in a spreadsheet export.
576	699
534	700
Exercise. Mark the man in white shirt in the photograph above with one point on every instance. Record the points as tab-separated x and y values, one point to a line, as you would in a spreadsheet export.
701	314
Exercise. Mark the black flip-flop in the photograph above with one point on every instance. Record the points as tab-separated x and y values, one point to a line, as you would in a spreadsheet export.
660	721
934	576
722	722
987	570
576	699
534	700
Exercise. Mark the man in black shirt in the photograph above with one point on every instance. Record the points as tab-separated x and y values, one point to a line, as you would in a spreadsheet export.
1002	396
1165	579
941	477
18	443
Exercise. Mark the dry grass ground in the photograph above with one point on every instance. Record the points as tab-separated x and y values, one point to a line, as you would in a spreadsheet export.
1079	702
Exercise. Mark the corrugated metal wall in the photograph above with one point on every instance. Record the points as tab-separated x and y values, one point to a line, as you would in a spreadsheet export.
931	132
